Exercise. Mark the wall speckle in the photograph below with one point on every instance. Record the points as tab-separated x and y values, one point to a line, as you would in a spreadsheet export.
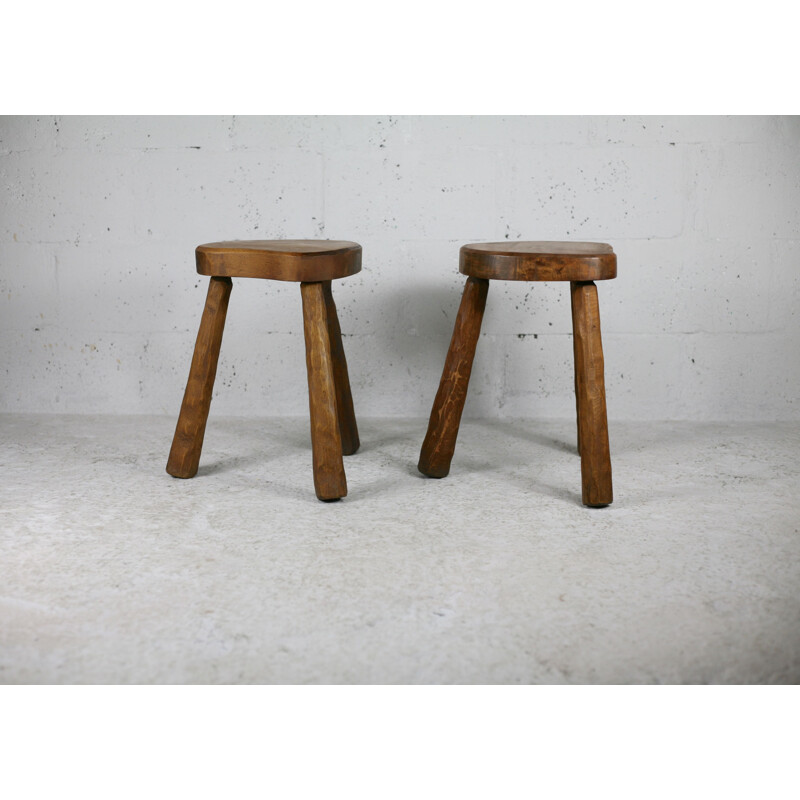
99	218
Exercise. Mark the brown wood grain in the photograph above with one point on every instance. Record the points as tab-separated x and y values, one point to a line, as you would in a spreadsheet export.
539	261
281	260
591	396
440	440
344	398
184	457
326	442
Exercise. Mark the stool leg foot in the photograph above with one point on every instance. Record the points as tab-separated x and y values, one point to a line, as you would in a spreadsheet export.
591	394
344	399
440	440
184	457
326	441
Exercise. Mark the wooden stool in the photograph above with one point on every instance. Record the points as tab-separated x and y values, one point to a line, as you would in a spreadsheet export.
314	264
581	264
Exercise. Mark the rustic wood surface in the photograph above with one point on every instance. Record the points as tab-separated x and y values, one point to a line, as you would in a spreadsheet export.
326	442
591	396
281	260
344	398
440	440
184	457
539	261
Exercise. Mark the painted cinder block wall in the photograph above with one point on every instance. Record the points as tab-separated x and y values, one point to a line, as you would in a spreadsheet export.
99	217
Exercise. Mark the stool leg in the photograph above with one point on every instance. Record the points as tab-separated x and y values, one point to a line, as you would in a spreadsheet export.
344	399
591	393
326	441
184	457
440	440
575	361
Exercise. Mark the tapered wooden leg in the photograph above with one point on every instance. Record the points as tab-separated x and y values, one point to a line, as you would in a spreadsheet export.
326	441
184	457
575	363
591	392
440	440
344	399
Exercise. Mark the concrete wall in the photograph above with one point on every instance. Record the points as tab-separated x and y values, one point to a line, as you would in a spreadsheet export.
99	217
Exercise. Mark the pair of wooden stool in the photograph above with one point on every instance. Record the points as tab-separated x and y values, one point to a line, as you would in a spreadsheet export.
334	433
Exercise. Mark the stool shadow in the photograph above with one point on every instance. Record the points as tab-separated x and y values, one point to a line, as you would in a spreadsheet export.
232	432
372	444
230	464
517	431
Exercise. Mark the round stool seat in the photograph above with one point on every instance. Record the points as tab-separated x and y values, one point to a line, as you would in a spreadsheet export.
539	261
306	260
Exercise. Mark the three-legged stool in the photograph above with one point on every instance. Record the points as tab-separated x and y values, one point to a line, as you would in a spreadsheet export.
581	264
314	264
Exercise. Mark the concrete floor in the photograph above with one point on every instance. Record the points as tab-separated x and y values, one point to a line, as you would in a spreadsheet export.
113	572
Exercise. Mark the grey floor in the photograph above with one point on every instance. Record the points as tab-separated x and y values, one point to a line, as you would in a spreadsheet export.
113	572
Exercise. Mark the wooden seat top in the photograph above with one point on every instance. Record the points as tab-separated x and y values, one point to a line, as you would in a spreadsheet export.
307	260
539	261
